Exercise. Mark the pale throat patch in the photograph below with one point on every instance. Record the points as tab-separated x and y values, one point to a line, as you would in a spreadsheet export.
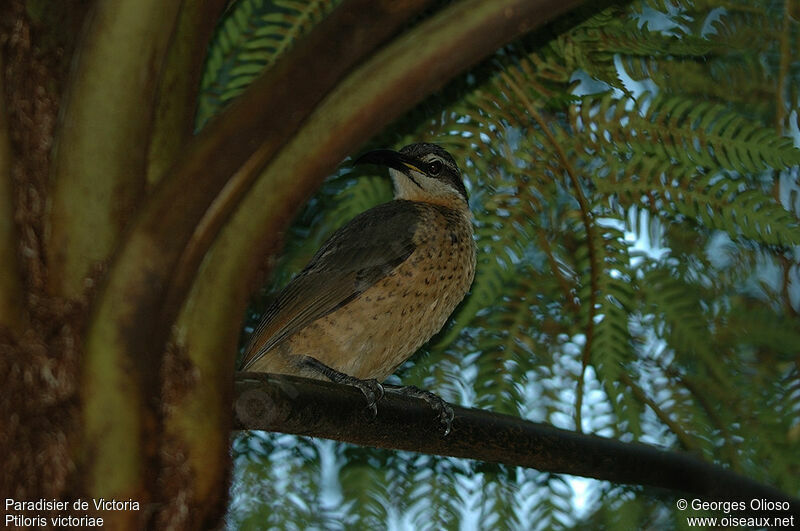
431	191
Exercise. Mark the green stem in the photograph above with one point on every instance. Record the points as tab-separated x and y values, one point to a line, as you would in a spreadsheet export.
99	163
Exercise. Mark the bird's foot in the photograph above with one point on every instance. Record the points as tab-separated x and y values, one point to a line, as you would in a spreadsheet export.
372	389
443	410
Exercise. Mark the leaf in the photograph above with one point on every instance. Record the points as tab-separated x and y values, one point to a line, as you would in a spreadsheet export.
248	41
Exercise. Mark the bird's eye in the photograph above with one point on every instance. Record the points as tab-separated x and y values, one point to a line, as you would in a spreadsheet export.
435	167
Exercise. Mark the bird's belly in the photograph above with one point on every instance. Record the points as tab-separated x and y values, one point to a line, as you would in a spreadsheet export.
382	327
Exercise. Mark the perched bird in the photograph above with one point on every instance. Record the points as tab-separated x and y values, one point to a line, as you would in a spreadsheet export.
381	286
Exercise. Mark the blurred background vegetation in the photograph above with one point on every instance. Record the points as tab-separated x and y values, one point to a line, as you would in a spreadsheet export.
634	179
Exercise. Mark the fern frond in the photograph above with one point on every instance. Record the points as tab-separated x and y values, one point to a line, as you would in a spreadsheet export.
763	328
710	80
508	352
749	29
496	498
441	508
363	485
611	345
685	132
667	5
684	324
721	202
629	37
290	462
555	510
250	39
603	270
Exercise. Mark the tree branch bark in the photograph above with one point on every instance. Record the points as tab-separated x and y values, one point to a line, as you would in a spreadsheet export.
301	406
11	290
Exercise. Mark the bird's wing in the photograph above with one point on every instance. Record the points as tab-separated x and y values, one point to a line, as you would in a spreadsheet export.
355	257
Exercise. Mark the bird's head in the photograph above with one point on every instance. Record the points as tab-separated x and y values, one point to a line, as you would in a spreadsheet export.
422	172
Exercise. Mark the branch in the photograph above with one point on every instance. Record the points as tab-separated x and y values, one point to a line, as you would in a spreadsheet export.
686	442
301	406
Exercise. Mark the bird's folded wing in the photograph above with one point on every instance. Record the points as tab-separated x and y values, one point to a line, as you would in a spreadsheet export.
355	257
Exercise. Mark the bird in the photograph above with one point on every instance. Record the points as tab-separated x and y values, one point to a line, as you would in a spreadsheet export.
381	286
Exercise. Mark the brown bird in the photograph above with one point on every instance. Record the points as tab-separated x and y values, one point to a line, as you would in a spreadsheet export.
381	286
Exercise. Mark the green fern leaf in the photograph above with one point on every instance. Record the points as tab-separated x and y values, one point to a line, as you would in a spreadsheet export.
720	203
250	39
683	131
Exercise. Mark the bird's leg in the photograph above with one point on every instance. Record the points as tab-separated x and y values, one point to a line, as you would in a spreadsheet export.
372	389
443	410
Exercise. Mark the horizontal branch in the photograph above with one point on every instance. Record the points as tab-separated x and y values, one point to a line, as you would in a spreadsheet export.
301	406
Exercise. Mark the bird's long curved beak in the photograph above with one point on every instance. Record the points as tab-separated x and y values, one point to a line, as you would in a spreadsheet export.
392	159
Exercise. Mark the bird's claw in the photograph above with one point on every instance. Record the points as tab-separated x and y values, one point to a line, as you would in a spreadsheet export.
372	389
443	410
373	392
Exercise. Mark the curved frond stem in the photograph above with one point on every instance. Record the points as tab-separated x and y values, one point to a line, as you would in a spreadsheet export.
533	80
685	441
786	269
588	223
783	68
99	162
177	96
698	395
544	243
